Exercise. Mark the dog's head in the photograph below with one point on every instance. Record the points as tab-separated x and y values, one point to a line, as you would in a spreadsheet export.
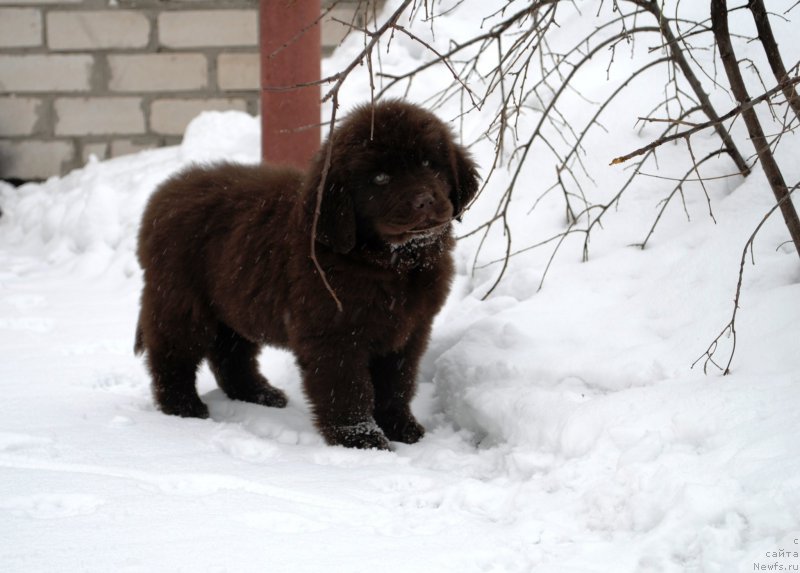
396	174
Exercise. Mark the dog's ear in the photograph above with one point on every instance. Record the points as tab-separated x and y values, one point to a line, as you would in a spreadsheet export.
337	219
464	178
336	226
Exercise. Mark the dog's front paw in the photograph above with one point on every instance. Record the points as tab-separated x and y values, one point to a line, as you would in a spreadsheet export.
363	435
401	427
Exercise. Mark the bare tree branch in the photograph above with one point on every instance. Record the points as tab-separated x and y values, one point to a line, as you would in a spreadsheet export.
654	7
719	24
773	53
737	110
730	327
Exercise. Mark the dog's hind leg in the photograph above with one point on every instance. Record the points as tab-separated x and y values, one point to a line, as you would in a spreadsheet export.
174	375
233	360
175	341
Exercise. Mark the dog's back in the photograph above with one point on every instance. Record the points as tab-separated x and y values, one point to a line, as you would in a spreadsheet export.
196	232
207	202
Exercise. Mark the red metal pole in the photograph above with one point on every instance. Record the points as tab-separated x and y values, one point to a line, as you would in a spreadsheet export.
290	55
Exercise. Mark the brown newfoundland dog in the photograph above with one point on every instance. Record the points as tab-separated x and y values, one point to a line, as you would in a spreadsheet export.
226	253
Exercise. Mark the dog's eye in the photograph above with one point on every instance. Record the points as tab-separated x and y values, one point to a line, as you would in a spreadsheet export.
381	179
426	163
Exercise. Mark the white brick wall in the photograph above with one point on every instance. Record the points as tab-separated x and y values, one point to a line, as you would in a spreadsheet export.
20	27
126	146
45	73
333	31
195	28
36	2
97	30
171	116
158	72
19	115
30	159
238	71
99	115
107	77
98	150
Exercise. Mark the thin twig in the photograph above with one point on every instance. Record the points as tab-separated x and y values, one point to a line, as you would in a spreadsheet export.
705	125
333	95
730	327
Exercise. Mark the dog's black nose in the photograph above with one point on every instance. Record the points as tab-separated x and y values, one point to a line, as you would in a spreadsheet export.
423	200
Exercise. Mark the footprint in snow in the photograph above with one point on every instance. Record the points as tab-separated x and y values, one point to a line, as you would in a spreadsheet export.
24	302
51	505
281	522
123	385
27	324
13	442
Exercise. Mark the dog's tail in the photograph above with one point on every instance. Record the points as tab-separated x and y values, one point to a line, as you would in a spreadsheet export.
138	344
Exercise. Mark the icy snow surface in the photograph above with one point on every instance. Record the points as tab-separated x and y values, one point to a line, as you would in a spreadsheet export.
566	429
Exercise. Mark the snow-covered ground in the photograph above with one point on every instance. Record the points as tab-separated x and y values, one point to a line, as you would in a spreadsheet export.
566	429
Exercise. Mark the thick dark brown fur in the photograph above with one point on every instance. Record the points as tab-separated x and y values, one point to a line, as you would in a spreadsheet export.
226	253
